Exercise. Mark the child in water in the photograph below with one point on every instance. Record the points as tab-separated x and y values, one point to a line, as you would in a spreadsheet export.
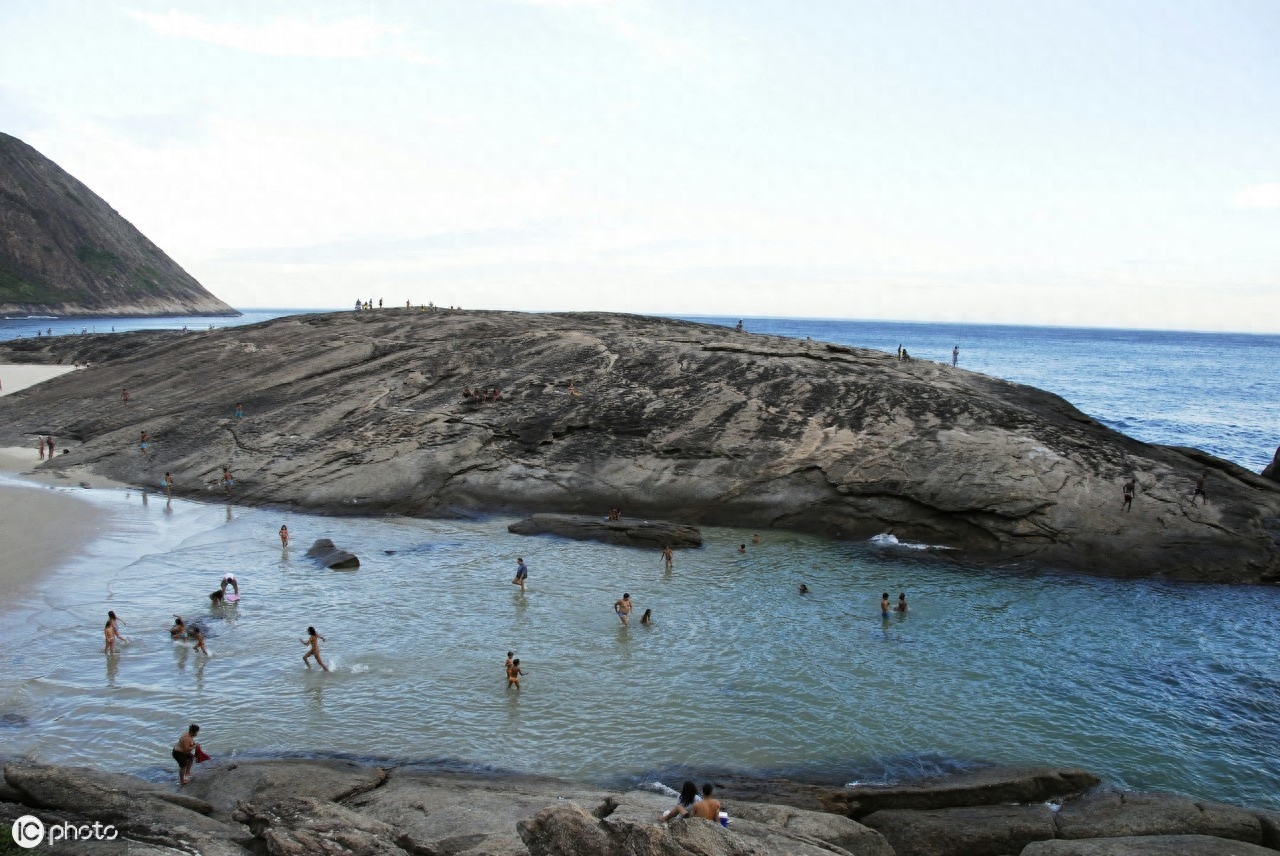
197	634
513	674
313	639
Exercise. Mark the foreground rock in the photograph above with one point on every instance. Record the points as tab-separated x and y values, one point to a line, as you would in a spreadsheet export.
624	533
339	808
324	552
1272	470
991	786
362	413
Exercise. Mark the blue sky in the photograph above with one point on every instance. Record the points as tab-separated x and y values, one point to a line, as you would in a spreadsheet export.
1081	163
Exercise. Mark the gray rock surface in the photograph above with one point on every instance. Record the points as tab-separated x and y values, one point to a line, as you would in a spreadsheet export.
1148	845
360	413
987	830
1272	470
324	552
223	786
64	249
625	532
1116	814
141	810
303	826
990	786
569	830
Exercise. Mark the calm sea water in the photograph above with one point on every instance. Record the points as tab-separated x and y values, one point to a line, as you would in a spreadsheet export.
1153	685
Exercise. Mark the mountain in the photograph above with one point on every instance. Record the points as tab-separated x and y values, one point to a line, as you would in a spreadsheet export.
65	251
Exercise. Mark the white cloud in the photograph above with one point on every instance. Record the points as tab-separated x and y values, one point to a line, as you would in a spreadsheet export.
340	38
1258	196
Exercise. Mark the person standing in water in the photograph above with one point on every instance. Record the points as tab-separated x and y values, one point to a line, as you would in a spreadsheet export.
115	623
884	606
666	556
109	638
230	580
284	536
197	634
313	639
184	752
622	608
902	603
168	484
513	674
522	573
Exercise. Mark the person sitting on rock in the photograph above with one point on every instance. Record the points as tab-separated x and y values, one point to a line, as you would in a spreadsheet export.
707	808
466	392
688	796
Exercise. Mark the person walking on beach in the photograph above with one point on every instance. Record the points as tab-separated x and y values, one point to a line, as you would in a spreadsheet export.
666	556
513	674
284	536
124	395
622	608
313	639
955	356
50	441
522	573
184	752
1199	491
1128	489
40	447
168	484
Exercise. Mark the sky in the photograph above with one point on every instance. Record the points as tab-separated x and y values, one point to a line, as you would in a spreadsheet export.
1108	163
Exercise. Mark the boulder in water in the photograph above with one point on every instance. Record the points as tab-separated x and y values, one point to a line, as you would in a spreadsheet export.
625	533
334	558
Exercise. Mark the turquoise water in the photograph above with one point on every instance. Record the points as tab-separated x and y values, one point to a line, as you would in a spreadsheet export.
1153	685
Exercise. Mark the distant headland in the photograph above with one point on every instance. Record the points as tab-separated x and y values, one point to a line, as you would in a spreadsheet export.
65	251
365	412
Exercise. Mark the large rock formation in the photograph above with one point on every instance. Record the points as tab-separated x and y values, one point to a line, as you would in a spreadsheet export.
66	251
363	412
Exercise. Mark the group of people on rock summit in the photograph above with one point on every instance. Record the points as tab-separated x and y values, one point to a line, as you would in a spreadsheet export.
1131	487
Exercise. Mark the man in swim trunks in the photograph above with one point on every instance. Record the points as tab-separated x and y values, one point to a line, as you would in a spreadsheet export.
622	608
707	808
522	573
884	606
666	556
184	752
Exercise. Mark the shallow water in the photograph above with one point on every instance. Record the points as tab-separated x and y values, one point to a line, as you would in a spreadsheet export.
1151	684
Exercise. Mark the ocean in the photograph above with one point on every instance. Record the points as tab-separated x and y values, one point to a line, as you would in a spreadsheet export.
1151	684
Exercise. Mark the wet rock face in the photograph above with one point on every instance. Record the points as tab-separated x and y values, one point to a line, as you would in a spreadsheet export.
649	534
1272	470
365	413
64	249
330	556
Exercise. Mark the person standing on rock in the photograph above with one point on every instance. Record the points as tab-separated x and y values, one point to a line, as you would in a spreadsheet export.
1129	488
227	480
522	573
239	411
184	752
40	447
622	608
50	441
666	556
1199	491
955	356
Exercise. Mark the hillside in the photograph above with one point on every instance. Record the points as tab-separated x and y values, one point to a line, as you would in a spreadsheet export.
65	251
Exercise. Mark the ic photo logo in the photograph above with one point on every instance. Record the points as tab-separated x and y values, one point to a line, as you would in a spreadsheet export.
29	831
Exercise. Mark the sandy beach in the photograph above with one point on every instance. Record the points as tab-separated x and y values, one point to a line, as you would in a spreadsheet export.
14	377
39	528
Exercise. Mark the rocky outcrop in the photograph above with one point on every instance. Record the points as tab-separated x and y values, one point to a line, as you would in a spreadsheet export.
340	808
361	413
624	533
66	251
332	557
989	786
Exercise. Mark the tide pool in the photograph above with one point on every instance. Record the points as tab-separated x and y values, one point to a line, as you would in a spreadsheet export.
1151	684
